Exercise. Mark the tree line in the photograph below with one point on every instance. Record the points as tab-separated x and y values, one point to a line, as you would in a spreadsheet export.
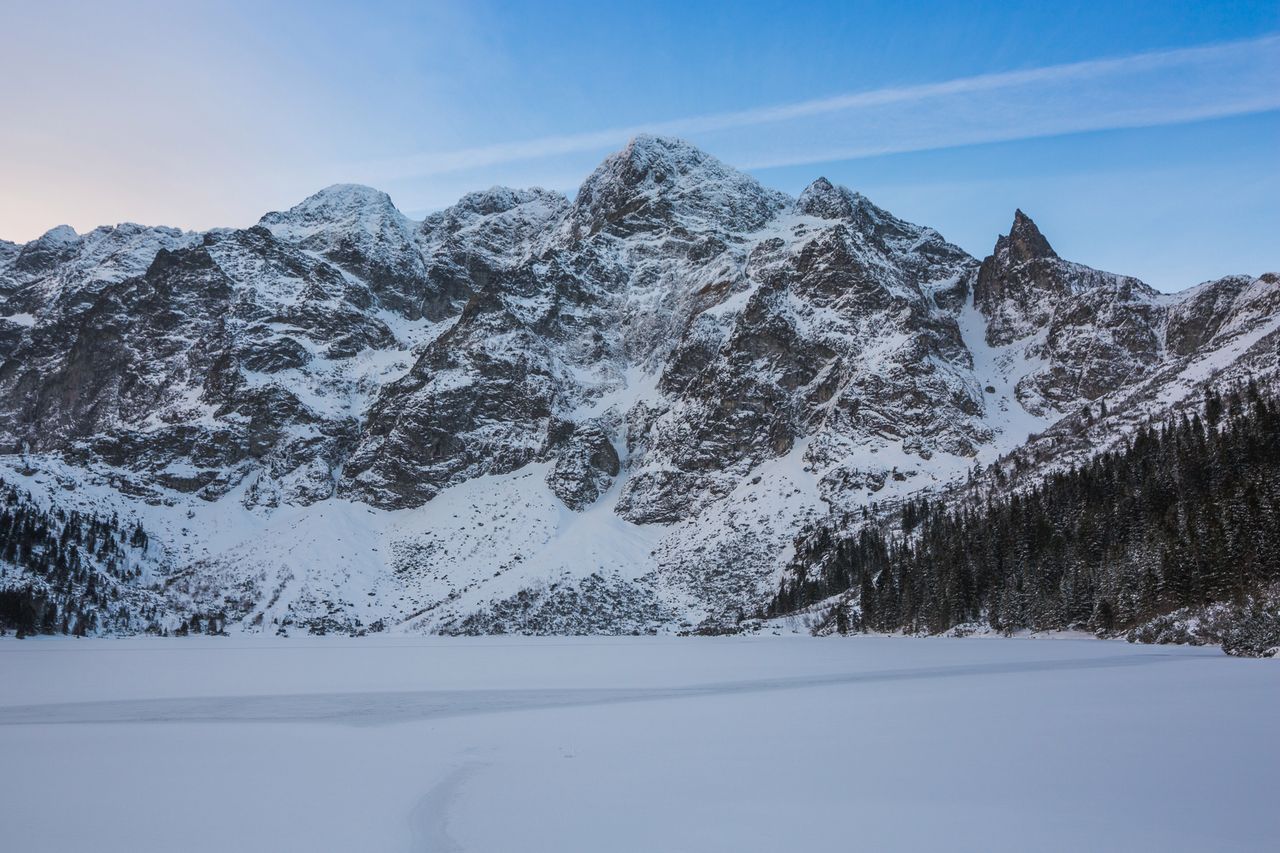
1185	513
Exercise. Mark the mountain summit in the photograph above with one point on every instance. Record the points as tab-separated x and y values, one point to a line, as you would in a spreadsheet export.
658	183
1024	242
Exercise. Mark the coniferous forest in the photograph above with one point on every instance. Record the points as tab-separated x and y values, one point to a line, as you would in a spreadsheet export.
69	572
1182	520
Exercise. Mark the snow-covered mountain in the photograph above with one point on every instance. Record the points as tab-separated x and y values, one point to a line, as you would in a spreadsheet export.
610	414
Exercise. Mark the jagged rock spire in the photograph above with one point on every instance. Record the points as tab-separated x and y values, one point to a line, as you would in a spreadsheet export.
1025	242
1018	281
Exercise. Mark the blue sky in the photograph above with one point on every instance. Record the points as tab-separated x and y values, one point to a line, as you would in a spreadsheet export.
1143	137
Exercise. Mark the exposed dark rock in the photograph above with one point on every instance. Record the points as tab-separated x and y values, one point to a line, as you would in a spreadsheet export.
586	465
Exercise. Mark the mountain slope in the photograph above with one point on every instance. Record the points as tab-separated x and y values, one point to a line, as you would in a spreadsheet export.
614	413
1176	535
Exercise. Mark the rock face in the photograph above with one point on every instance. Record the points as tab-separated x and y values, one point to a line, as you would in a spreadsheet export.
360	231
1094	331
829	333
645	392
585	466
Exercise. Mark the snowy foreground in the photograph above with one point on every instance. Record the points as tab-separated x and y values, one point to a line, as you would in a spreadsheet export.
634	744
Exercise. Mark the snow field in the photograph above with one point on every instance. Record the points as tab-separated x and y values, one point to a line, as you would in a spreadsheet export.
634	744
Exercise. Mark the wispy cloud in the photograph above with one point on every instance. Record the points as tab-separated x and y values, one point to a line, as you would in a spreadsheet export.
1147	89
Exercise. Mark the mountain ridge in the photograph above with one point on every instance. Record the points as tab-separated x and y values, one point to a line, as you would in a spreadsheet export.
644	394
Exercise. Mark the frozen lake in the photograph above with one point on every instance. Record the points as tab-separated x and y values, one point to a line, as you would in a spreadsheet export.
634	744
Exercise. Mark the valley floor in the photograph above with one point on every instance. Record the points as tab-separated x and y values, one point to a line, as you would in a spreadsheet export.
634	744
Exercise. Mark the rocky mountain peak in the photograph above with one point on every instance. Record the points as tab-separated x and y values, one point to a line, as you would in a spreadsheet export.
661	156
61	235
1021	265
1028	293
49	249
339	207
1022	283
656	183
360	230
344	197
1024	241
826	200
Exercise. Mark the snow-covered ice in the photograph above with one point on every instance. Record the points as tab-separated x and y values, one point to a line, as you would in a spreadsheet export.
634	744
